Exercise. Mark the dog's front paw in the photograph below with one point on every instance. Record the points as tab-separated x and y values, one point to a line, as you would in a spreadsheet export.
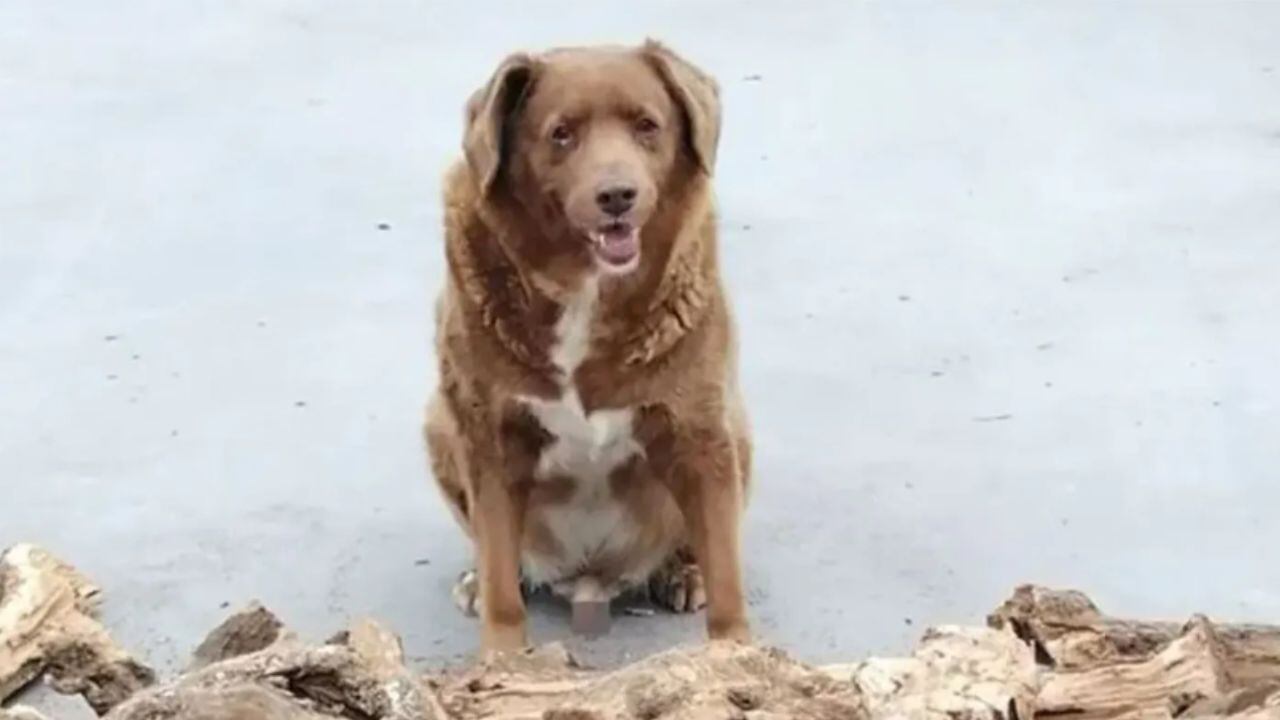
466	593
678	587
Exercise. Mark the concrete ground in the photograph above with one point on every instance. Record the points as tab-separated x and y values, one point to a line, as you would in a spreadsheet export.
1008	278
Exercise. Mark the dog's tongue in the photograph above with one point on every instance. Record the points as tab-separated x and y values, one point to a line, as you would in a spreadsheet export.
618	245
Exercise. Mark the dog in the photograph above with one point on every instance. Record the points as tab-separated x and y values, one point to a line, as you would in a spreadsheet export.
587	421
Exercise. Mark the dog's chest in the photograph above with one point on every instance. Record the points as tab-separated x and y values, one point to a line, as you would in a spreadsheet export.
590	523
587	446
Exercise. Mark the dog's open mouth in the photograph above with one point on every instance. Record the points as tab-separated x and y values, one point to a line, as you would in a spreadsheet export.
616	244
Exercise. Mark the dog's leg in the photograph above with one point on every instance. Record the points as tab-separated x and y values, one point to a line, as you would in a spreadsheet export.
709	491
497	514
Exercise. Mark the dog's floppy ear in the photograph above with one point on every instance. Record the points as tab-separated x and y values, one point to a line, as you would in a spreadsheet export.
699	97
489	111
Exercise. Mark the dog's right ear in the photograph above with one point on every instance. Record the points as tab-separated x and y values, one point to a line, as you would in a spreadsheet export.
489	113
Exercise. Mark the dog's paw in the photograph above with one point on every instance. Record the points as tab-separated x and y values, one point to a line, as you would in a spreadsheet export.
466	593
678	587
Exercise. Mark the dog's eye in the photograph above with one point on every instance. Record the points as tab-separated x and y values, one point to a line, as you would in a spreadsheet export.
646	125
561	135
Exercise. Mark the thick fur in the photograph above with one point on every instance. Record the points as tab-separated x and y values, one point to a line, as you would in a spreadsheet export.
588	422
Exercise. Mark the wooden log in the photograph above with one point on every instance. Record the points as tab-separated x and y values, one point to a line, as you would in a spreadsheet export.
1090	667
1188	670
21	712
1261	700
971	673
47	624
361	677
1068	632
956	672
247	631
37	593
712	681
381	649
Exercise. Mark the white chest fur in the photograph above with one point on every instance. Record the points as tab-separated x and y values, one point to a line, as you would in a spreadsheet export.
588	447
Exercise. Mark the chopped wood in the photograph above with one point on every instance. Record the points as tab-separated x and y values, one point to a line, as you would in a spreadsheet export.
973	673
717	680
1045	653
1187	671
21	712
379	647
36	593
247	631
289	680
1249	702
48	625
1068	632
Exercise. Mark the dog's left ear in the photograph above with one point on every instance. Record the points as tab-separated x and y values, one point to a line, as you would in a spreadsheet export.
697	94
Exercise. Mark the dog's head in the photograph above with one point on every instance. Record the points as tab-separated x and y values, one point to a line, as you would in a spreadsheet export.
591	141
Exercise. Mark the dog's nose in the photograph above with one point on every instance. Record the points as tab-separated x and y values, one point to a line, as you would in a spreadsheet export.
616	199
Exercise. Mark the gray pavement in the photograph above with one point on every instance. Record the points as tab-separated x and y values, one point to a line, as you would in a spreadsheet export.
1008	277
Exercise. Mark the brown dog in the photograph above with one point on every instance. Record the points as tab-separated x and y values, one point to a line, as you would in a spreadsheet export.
588	422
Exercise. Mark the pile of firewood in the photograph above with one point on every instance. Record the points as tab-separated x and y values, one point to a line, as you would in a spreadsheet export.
1043	653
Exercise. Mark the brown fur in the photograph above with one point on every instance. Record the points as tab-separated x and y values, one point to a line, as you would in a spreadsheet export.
661	337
